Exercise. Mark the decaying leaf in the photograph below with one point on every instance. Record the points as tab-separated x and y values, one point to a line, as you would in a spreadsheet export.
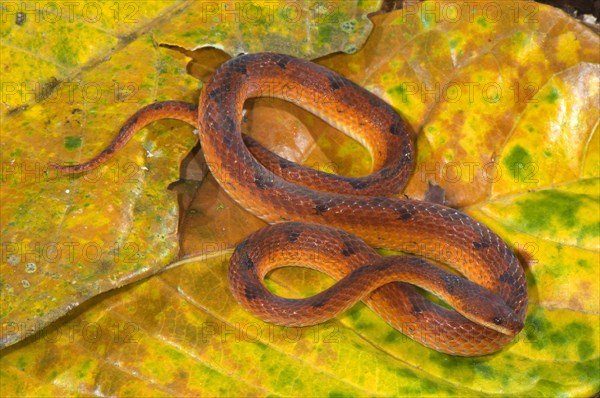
67	238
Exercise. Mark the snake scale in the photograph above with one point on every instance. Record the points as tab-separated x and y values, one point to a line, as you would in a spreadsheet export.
330	222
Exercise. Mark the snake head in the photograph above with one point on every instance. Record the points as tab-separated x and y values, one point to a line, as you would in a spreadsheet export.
492	312
505	321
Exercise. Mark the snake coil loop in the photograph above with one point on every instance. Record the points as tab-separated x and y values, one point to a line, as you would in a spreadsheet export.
490	304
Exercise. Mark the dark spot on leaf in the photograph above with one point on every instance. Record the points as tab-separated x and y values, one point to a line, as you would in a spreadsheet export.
128	38
47	89
17	110
72	143
21	18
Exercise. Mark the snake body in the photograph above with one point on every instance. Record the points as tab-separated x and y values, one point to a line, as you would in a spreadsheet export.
328	222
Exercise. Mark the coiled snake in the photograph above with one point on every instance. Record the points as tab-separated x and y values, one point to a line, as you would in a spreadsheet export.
490	306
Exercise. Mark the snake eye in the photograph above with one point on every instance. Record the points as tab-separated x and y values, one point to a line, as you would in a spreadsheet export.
498	320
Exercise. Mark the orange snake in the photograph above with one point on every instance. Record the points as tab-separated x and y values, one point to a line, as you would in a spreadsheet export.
490	304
